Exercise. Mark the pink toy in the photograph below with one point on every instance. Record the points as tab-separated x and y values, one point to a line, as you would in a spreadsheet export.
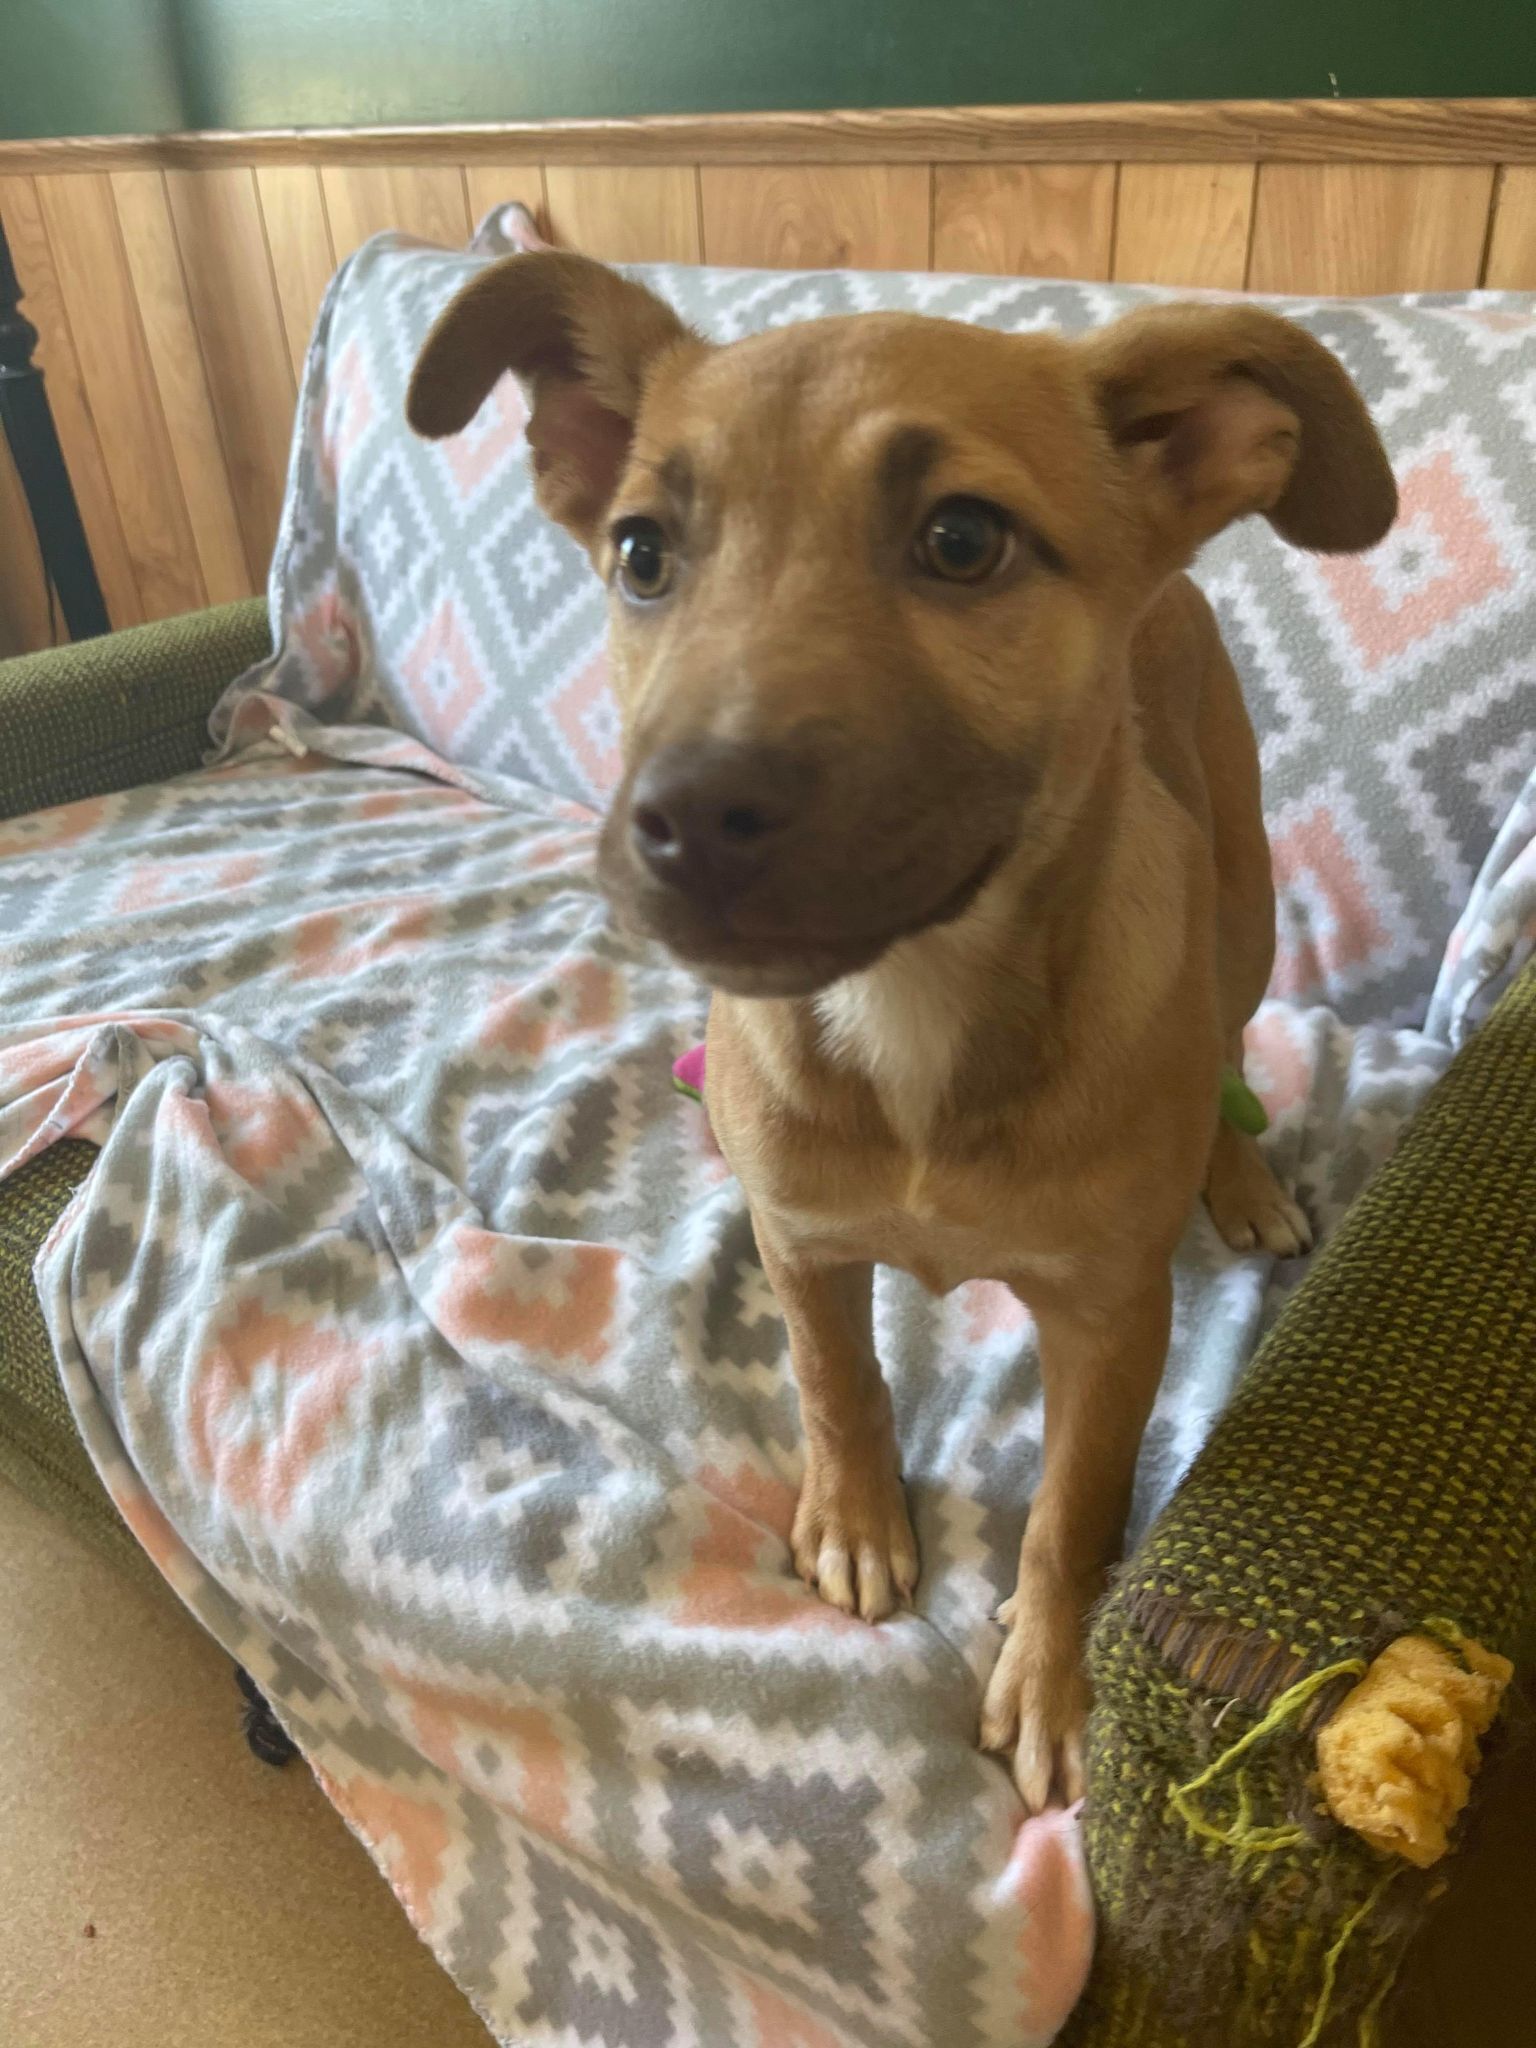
688	1073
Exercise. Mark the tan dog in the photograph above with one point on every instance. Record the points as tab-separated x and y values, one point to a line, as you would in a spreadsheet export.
936	769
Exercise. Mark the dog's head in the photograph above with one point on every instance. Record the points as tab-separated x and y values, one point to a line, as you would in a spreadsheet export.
873	579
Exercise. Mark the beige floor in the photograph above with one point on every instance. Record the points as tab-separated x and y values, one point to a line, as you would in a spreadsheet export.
231	1909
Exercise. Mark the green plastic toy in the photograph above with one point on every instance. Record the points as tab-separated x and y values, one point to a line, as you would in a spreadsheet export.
1240	1107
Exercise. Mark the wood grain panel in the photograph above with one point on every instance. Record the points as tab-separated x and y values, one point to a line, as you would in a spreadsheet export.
1024	220
81	219
1184	224
646	215
816	216
245	351
154	263
1362	228
299	243
175	311
491	185
23	587
1512	243
55	356
1418	131
419	199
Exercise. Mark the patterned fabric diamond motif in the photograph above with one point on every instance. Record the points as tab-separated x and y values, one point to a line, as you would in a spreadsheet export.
1386	354
518	1471
1336	918
593	1962
1442	563
1280	704
391	532
537	565
1456	766
448	679
764	1877
717	1812
583	709
349	408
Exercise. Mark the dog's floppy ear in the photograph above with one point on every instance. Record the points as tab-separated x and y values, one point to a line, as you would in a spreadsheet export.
580	339
1224	410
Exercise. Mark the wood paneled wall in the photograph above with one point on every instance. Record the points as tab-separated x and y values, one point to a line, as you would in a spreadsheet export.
174	282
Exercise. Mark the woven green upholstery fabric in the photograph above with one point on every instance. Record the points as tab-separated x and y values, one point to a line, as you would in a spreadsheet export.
131	707
1376	1470
40	1452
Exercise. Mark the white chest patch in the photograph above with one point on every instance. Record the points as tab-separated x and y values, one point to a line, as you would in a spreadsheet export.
902	1023
902	1031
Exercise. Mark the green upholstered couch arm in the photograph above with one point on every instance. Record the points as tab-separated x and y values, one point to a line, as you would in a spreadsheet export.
41	1453
132	707
1375	1471
75	722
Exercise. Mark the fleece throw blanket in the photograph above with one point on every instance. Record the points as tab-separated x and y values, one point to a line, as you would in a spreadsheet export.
417	1332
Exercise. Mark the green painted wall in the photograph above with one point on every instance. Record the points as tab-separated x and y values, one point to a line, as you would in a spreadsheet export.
87	67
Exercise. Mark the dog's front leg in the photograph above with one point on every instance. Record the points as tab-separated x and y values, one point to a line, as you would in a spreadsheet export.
852	1539
1100	1365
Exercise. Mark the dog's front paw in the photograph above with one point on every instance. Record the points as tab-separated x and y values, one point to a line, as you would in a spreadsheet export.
1036	1701
852	1540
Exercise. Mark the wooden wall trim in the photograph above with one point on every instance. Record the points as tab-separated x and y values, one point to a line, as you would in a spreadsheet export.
1448	131
174	281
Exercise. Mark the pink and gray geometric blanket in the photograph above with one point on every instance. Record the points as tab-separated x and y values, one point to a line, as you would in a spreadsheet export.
418	1334
417	1331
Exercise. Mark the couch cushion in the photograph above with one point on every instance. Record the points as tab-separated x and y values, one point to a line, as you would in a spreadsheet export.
419	585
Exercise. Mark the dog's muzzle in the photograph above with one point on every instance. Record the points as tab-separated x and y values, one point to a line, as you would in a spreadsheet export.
768	875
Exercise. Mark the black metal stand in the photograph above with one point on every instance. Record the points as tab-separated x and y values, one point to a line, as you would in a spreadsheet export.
28	422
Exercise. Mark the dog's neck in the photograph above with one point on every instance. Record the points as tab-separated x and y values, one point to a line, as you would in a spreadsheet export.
964	1017
904	1023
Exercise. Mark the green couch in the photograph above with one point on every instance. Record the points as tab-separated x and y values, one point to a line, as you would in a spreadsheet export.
1377	1468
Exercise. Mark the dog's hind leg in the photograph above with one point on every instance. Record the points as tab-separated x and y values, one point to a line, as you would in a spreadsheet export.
1247	1204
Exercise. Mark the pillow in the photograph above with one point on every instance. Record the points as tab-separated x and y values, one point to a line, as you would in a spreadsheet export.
424	589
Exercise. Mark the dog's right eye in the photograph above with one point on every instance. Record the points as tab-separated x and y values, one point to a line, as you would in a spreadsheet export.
964	540
644	558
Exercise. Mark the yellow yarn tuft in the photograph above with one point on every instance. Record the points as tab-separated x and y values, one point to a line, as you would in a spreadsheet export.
1396	1758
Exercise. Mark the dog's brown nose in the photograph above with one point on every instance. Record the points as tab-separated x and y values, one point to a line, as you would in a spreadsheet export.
705	814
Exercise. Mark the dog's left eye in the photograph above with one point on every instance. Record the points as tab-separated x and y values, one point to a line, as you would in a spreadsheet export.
964	540
644	558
